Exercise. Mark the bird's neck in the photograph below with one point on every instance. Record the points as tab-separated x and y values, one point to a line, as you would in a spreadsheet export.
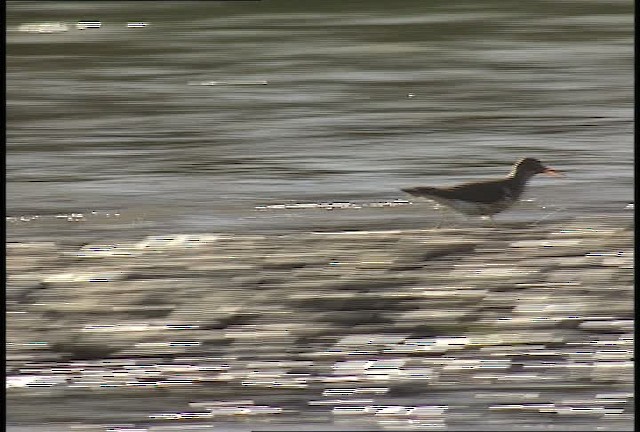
520	176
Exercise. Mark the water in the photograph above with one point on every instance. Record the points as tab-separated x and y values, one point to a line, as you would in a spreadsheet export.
214	110
357	104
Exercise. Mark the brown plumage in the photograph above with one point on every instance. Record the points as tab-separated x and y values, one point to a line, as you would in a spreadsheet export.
485	198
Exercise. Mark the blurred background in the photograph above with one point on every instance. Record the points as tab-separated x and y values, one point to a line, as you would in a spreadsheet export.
290	117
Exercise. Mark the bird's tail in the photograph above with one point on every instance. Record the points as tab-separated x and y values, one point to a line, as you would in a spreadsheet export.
418	191
410	191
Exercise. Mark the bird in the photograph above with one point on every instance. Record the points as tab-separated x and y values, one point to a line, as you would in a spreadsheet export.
489	197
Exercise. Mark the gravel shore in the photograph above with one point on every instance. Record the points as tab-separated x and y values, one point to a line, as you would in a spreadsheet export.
517	327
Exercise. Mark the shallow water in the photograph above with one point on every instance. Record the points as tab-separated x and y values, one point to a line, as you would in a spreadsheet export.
357	104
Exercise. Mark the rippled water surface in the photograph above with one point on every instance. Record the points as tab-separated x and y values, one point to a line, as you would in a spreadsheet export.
243	118
315	102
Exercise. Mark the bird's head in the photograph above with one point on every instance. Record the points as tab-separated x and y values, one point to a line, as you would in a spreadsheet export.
528	167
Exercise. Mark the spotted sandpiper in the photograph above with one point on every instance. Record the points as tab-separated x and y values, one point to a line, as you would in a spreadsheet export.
485	198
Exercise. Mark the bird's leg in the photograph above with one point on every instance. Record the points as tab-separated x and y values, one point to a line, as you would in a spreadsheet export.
441	219
455	217
444	211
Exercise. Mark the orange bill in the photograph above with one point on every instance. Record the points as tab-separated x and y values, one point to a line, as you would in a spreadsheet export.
553	173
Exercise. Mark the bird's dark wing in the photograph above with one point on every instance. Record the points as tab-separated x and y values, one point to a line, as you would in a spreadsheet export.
485	192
